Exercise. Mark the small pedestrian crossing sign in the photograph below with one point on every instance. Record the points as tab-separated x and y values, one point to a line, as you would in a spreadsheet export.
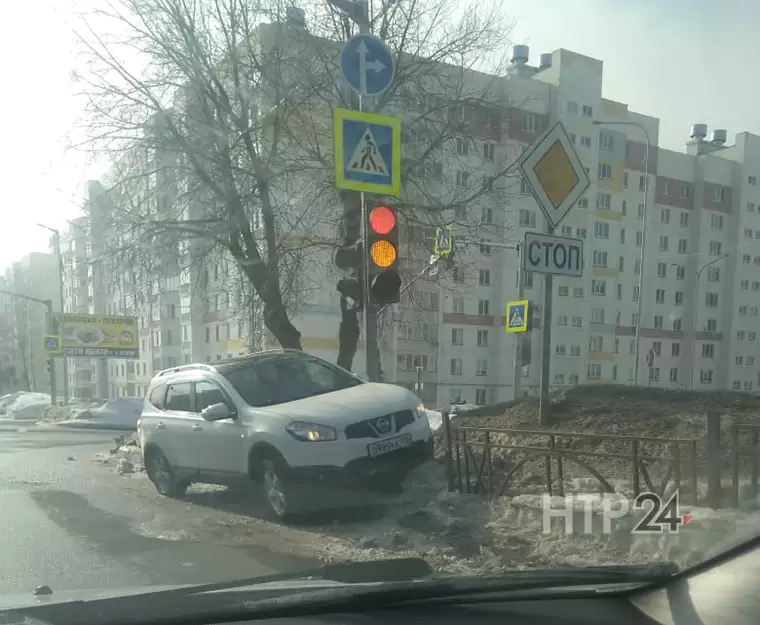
517	316
51	343
367	158
367	152
444	241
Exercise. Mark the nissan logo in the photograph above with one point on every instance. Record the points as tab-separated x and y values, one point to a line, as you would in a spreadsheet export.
383	425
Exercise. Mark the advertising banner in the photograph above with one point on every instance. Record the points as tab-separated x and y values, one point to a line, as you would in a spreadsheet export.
97	336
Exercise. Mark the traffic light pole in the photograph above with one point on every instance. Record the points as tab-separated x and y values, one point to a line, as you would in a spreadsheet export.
49	305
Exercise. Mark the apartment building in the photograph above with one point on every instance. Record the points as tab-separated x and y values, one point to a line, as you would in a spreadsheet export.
688	273
699	295
30	276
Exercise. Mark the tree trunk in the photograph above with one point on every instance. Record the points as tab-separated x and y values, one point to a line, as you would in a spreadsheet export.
277	321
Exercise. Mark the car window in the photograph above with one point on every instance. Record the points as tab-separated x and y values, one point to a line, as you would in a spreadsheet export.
157	396
278	380
178	397
207	394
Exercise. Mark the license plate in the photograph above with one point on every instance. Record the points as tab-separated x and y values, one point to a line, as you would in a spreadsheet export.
389	444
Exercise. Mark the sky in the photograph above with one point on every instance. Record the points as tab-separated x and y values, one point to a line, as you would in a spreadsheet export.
684	61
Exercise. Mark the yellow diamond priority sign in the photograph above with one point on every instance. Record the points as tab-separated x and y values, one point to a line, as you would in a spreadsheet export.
555	173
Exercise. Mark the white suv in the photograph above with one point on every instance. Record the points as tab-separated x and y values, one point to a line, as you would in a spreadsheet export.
283	417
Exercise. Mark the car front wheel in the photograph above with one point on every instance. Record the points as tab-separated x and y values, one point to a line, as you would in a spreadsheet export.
276	488
163	477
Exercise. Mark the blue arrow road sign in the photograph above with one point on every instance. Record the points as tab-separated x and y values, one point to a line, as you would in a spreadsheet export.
367	65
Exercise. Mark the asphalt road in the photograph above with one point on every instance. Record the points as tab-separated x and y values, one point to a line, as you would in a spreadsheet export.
73	523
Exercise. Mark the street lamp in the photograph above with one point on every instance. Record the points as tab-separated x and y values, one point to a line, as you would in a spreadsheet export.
59	256
643	239
696	313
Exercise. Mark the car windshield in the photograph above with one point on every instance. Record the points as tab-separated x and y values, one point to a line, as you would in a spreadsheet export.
281	379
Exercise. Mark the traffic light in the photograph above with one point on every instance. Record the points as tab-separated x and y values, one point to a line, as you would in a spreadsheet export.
382	255
350	260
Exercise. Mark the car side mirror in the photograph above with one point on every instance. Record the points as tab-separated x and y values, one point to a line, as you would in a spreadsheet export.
216	412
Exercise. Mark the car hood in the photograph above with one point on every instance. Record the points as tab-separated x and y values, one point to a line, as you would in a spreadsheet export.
29	600
341	408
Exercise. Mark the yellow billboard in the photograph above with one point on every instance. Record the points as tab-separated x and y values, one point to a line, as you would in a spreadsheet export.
97	336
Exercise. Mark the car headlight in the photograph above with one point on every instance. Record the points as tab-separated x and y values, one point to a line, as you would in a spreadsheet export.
419	410
311	432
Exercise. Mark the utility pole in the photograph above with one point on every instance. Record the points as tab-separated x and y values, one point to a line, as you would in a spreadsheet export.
358	12
61	274
48	303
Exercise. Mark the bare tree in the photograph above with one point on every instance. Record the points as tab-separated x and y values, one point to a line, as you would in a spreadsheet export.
216	115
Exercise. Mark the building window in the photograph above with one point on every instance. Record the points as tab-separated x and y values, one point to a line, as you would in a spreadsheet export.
586	142
587	111
662	270
480	396
457	336
603	201
663	243
527	218
529	123
706	376
716	222
684	219
675	349
720	195
482	337
598	287
658	320
456	366
481	367
484	277
606	141
599	258
602	230
596	343
458	305
665	216
604	171
660	296
484	307
674	374
488	151
463	146
594	371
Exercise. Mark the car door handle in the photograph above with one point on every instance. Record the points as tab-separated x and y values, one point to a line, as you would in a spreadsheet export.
196	428
160	425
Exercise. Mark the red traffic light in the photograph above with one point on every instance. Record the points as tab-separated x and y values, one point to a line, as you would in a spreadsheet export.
382	220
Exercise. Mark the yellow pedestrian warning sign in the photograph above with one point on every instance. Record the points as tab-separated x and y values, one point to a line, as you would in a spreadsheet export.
367	158
367	152
517	316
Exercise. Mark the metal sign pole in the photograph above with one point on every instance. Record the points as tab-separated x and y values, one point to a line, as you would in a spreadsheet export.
546	343
517	356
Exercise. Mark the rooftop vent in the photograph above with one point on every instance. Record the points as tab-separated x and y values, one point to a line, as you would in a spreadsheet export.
296	17
520	55
699	132
718	136
546	60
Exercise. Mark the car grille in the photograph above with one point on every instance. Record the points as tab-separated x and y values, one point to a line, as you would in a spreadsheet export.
378	427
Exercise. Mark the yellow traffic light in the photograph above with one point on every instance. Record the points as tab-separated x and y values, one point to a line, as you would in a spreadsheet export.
383	253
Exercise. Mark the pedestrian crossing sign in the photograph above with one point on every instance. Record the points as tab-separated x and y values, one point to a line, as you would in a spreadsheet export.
367	152
51	343
517	316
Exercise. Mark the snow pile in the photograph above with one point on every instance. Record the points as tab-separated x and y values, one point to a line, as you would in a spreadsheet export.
434	418
114	414
27	406
471	534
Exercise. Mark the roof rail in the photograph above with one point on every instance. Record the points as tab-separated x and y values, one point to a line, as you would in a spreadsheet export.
189	367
